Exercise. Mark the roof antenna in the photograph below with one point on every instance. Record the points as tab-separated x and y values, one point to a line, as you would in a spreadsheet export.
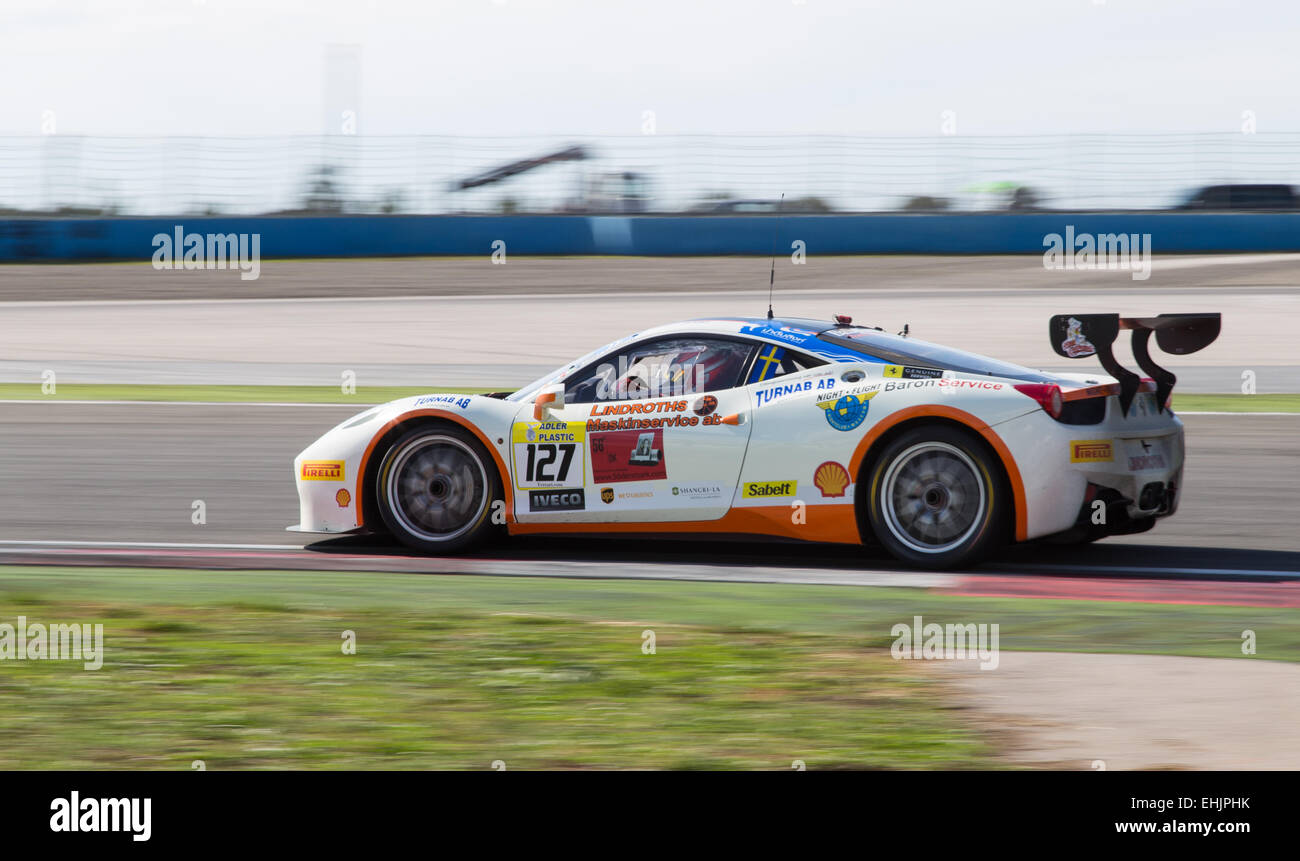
771	278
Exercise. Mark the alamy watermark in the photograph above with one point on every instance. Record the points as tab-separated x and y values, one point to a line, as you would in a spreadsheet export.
33	641
935	642
1123	251
133	816
181	250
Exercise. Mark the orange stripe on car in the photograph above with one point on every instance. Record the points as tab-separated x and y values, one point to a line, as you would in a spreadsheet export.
970	421
442	414
835	524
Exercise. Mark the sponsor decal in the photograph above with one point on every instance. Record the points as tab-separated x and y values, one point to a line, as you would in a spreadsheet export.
904	372
594	425
449	400
628	455
1091	451
768	489
784	333
831	478
322	470
1076	344
1146	460
958	385
627	409
343	498
609	494
902	385
549	454
766	396
767	364
557	500
698	491
832	396
624	408
847	411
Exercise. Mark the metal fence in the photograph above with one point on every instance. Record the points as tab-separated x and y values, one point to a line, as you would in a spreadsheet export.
670	173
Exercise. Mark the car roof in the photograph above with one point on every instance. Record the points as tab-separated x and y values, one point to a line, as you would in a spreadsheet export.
797	332
747	323
868	344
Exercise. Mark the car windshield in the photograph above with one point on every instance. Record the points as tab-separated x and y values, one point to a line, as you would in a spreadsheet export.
909	351
560	373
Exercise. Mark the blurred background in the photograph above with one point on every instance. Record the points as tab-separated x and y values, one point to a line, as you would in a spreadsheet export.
706	174
233	107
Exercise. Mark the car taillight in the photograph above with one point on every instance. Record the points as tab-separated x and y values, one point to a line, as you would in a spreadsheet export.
1048	396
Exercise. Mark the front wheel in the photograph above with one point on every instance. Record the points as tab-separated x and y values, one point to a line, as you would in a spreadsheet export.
936	498
436	487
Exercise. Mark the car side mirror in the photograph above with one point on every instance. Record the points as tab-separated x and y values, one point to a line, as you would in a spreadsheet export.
551	397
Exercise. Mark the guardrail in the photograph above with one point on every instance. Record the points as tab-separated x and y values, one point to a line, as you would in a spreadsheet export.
49	240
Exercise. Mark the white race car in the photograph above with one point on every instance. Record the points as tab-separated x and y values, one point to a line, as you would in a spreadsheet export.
788	428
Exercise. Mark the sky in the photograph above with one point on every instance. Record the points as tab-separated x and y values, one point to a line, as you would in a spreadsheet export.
619	67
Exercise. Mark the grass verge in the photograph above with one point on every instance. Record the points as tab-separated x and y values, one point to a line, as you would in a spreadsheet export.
246	670
1288	403
1230	403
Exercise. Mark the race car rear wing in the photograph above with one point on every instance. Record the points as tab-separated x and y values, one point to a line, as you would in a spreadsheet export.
1078	335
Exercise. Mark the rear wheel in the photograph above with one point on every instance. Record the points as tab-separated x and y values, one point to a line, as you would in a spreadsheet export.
936	498
435	488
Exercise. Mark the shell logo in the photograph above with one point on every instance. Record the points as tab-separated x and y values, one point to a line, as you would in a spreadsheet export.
343	498
831	478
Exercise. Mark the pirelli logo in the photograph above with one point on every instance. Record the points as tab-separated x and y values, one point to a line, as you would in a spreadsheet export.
321	470
1091	451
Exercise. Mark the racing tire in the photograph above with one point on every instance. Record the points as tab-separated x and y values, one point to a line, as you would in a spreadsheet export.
937	498
436	488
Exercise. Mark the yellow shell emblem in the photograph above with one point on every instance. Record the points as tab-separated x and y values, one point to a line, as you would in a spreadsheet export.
831	478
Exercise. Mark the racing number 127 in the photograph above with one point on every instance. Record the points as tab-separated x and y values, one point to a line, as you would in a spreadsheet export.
538	465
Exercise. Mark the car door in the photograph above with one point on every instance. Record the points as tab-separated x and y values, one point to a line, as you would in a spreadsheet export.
656	431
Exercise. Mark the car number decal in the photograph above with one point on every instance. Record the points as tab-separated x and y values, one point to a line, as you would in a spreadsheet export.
549	454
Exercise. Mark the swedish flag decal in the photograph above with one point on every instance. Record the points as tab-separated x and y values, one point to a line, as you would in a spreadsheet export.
767	364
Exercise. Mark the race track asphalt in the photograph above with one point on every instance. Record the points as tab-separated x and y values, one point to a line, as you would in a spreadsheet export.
467	322
131	473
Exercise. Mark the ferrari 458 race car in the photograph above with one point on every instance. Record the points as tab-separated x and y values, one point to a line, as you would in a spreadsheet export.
788	428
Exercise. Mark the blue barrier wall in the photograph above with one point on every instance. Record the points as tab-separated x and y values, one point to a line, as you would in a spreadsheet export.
37	239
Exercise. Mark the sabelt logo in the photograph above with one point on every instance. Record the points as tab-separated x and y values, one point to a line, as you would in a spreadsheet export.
321	470
765	489
1091	451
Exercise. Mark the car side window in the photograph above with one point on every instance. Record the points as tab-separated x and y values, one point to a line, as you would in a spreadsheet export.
775	361
677	365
